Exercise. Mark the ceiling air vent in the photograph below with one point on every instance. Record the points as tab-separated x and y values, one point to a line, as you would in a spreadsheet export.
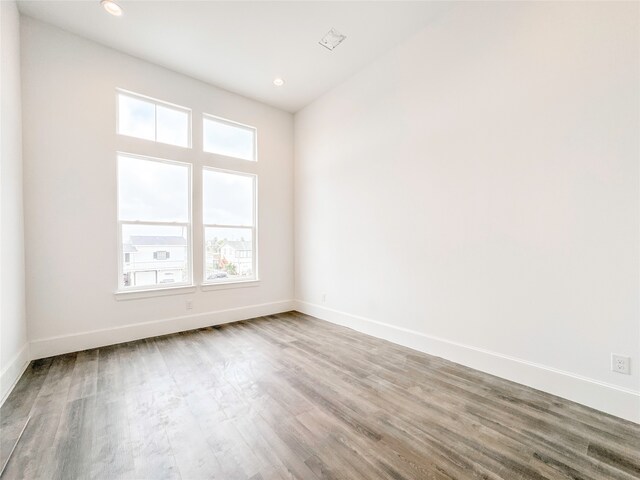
332	39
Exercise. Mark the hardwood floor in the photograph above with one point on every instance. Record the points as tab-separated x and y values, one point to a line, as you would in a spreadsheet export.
288	396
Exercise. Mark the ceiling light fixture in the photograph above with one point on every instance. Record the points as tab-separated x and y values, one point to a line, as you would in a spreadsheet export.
278	82
112	7
332	39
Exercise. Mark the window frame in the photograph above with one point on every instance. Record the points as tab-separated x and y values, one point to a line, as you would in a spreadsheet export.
155	102
254	231
233	123
120	287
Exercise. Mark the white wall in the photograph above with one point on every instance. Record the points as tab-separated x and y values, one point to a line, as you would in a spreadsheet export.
70	191
14	352
474	194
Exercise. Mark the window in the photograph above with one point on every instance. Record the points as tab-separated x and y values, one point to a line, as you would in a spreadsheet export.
162	255
229	215
153	120
231	139
155	197
154	221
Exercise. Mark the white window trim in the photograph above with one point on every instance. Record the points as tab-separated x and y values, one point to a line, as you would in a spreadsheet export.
120	288
207	287
156	102
254	233
235	124
154	292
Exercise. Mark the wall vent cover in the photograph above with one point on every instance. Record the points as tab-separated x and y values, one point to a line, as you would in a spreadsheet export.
332	39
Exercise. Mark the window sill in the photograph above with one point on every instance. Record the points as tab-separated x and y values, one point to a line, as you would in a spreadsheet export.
206	287
154	292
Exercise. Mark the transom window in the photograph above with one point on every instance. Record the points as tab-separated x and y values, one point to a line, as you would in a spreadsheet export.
150	119
228	138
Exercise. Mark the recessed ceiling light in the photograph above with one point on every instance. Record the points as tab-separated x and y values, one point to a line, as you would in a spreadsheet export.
278	82
332	39
112	7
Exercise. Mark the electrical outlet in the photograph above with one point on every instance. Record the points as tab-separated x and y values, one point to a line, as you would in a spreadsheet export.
189	304
324	297
620	364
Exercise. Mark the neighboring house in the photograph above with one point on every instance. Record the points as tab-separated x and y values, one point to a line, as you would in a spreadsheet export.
151	260
238	253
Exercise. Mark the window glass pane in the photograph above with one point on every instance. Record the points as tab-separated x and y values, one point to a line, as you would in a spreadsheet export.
227	198
154	255
173	126
136	117
228	139
152	191
228	254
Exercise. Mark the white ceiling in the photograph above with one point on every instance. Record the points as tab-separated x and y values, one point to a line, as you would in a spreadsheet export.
242	46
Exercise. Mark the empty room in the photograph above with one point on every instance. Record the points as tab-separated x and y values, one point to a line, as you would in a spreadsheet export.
253	240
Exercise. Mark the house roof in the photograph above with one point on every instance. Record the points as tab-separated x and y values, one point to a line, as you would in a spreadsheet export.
128	248
238	244
157	240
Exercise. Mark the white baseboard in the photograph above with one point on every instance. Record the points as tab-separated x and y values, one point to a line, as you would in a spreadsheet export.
47	347
618	401
12	372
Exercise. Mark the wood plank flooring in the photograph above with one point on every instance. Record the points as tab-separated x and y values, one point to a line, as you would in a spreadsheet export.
289	396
